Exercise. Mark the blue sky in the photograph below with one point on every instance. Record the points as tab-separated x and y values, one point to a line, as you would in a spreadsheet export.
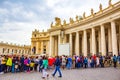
18	18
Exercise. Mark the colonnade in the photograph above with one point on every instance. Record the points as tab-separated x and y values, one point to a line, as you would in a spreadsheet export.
103	39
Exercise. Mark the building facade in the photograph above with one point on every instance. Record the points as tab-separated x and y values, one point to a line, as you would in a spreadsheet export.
7	49
98	33
40	42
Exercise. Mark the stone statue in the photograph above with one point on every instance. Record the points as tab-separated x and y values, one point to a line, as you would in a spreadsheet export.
110	2
64	22
84	15
51	24
71	21
77	18
58	21
100	7
92	12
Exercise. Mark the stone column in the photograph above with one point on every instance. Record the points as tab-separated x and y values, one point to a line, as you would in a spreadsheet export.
56	46
51	46
47	47
109	40
77	44
93	42
37	47
70	41
42	47
59	39
31	48
114	38
85	43
99	38
103	41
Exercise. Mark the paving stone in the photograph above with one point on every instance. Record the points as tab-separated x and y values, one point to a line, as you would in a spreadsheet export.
73	74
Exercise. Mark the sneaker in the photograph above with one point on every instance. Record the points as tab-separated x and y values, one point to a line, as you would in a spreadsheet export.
59	76
1	72
43	77
53	75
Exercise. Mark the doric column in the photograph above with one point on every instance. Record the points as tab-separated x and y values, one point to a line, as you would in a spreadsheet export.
31	48
41	46
48	47
90	43
37	47
51	46
85	43
109	40
93	41
103	42
114	38
99	41
70	43
77	44
59	39
56	47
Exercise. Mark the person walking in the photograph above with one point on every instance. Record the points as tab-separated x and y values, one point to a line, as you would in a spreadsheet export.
57	67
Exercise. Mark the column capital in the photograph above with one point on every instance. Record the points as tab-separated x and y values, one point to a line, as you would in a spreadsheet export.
112	21
101	25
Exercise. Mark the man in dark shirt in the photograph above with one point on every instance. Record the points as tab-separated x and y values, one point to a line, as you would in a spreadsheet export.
57	67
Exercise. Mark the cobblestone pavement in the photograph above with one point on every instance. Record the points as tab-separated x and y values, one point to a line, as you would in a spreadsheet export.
74	74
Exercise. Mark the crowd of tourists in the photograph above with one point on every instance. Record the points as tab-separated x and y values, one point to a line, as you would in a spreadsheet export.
23	63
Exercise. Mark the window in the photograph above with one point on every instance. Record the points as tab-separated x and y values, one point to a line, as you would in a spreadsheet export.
35	35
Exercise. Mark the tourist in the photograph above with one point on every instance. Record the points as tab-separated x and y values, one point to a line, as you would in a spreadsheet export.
17	65
32	65
26	65
86	62
118	58
69	63
40	64
57	67
89	62
36	63
115	61
50	62
101	61
9	64
77	62
45	66
63	61
97	61
22	63
94	60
